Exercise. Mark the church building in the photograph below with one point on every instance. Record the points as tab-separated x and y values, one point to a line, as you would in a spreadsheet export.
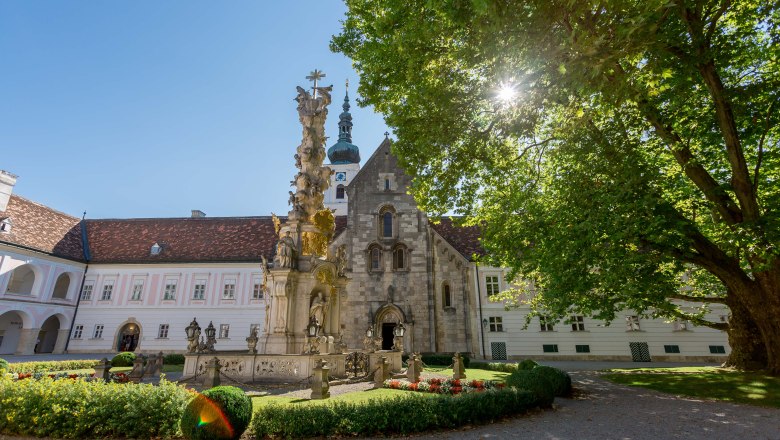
110	285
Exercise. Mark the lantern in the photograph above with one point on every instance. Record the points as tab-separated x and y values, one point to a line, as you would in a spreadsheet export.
370	332
313	328
211	331
192	329
399	330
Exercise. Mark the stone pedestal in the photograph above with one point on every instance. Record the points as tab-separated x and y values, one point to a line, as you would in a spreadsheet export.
28	337
102	370
382	372
414	369
62	339
458	369
138	370
211	376
320	389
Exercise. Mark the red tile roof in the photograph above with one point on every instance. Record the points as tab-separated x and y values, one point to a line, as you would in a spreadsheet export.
465	239
39	227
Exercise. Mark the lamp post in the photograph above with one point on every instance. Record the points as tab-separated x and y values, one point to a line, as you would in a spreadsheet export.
211	339
398	337
193	334
368	341
312	330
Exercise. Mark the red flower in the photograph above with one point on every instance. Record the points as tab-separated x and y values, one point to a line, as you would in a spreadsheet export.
394	384
435	388
434	381
456	383
456	390
413	386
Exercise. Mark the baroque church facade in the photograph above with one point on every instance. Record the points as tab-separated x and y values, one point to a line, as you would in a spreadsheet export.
68	284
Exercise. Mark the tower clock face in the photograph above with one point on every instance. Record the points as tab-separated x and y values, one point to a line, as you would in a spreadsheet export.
341	177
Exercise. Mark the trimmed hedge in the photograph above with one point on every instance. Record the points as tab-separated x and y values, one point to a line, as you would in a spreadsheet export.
173	359
559	379
124	359
527	364
443	359
45	366
227	410
3	365
536	383
90	409
400	415
495	366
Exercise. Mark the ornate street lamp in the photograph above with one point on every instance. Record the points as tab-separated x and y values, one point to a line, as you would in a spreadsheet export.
211	339
193	332
368	342
312	330
370	332
398	337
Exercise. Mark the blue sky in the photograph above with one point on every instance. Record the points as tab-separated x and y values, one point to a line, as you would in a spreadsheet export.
149	108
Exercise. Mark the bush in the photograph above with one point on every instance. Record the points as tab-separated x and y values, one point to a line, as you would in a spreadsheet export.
45	366
3	365
226	409
527	364
443	359
82	408
124	359
536	383
559	379
173	359
495	366
400	415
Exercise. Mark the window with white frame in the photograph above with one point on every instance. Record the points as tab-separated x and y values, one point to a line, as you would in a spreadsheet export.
546	324
257	289
169	294
199	290
108	289
496	324
224	331
632	323
162	332
577	323
680	325
78	331
491	285
138	290
86	292
5	225
98	332
229	290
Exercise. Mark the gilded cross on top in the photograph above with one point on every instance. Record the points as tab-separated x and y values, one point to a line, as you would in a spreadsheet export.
315	76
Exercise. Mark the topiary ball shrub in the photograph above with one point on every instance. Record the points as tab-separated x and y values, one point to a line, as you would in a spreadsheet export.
173	359
220	413
3	365
124	359
527	364
559	379
536	383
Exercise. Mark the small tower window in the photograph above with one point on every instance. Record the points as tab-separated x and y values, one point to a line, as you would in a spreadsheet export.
387	224
446	297
156	249
5	225
387	184
375	259
340	192
399	258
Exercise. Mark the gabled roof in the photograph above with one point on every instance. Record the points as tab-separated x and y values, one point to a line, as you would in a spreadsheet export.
465	239
38	227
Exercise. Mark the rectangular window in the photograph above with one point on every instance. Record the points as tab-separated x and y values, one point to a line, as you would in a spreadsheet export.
496	324
257	289
632	323
162	333
86	292
78	331
582	348
550	348
224	331
199	291
108	289
98	333
717	349
671	348
680	325
577	323
546	324
170	290
491	285
229	292
138	290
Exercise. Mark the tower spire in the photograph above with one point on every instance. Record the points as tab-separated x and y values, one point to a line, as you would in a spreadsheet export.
345	119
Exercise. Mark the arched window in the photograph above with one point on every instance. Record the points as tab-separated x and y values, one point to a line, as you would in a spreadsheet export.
400	258
374	259
386	223
61	286
446	296
387	184
340	192
22	280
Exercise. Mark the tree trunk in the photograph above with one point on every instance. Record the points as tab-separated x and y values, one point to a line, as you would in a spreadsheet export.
748	351
762	300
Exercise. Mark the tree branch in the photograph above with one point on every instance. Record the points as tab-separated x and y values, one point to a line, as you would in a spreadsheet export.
702	299
760	157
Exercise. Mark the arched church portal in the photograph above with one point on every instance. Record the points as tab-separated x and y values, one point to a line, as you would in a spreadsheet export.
128	337
386	318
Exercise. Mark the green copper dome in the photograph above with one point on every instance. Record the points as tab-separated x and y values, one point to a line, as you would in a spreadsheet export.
344	151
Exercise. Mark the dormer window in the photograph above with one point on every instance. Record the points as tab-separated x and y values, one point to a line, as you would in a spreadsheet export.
5	225
156	249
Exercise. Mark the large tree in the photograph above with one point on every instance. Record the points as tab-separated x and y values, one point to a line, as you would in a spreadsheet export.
618	153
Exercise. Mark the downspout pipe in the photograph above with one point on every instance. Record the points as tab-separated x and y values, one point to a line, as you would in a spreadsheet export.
87	258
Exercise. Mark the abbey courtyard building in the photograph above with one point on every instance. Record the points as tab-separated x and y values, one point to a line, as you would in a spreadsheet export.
108	285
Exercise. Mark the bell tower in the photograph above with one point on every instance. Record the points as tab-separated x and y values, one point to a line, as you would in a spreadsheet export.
344	159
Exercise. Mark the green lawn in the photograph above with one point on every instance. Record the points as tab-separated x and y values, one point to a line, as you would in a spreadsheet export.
704	382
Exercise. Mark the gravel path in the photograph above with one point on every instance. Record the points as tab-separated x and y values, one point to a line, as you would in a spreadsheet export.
609	411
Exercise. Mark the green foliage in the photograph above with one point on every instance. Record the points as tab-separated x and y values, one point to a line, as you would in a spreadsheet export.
527	364
443	359
400	415
45	366
559	379
534	382
124	359
90	409
173	359
3	365
503	367
225	410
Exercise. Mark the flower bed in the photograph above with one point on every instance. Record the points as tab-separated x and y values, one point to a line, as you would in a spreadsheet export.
443	386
